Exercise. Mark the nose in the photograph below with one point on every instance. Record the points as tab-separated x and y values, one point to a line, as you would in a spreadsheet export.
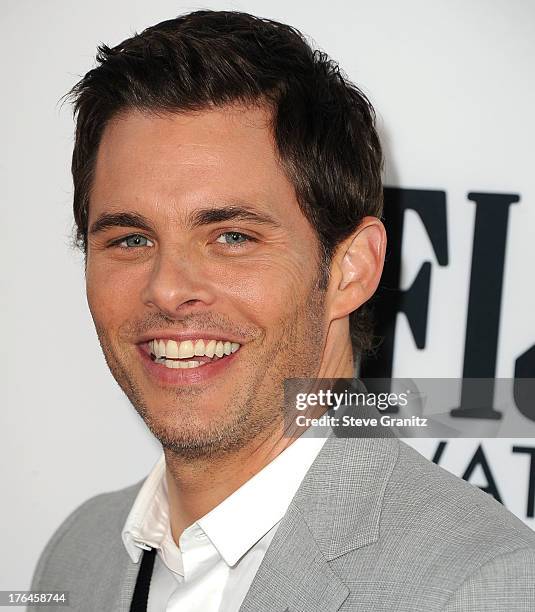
176	283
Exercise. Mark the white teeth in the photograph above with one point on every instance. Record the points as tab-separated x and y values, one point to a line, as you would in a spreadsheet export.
171	349
186	349
209	351
176	365
198	349
191	348
156	348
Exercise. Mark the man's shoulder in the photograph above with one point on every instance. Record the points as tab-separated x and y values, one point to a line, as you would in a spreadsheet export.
424	496
440	543
88	539
99	516
455	536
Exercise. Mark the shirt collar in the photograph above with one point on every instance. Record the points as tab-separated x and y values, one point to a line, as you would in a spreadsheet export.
243	518
146	524
240	520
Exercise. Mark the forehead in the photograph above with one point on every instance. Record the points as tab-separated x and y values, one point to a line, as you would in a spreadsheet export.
171	163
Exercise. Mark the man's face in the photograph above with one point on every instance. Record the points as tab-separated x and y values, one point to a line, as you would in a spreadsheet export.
197	244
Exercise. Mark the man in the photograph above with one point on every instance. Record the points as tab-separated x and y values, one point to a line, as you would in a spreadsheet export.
228	201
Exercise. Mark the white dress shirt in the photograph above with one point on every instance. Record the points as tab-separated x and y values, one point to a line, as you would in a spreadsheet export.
218	556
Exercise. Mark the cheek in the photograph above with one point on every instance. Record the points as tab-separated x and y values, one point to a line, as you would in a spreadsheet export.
266	292
111	294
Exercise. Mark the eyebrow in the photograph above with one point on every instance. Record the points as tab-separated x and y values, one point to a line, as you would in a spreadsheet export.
199	218
207	216
120	219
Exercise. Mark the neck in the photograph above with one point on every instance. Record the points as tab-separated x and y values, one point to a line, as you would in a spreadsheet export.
196	487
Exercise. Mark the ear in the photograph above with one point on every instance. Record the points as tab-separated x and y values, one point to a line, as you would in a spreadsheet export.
358	264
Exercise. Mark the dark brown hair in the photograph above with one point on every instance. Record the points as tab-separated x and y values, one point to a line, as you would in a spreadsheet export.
323	125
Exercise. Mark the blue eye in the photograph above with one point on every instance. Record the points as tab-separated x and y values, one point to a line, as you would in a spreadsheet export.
232	238
135	240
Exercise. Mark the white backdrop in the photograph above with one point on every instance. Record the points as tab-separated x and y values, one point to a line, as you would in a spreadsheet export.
453	86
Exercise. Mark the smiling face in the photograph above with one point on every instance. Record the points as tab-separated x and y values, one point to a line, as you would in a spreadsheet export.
202	275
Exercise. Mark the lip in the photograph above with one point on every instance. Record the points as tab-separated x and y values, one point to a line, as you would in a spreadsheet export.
184	376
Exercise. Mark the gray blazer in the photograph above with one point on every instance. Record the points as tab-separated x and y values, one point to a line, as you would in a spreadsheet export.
374	526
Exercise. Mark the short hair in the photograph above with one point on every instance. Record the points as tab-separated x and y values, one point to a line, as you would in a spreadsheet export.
323	125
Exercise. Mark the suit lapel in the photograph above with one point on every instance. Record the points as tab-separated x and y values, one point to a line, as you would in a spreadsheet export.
335	510
294	574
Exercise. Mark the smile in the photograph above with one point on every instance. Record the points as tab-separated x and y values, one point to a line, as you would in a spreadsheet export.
178	355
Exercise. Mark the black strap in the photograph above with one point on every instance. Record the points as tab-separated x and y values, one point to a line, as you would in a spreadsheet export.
141	590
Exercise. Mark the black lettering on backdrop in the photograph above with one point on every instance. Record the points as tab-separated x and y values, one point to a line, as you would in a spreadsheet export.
524	385
484	305
530	513
479	459
484	301
438	453
413	302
